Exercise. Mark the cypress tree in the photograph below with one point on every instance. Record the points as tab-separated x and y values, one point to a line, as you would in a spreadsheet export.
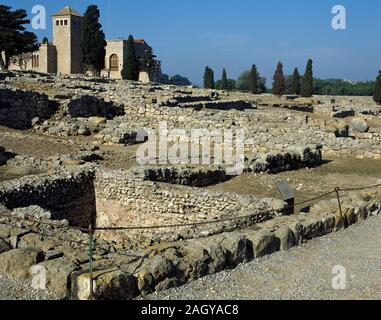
208	78
278	84
93	41
224	81
377	89
307	83
295	82
130	69
254	79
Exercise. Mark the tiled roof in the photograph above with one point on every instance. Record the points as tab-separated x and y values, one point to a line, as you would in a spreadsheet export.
67	11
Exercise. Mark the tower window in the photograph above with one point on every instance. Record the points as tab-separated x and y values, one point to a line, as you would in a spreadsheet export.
65	22
35	61
57	23
114	63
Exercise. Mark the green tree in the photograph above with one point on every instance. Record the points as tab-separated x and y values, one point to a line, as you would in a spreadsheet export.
343	87
179	80
209	78
254	79
278	84
224	81
243	83
93	43
147	61
308	81
45	40
231	85
130	69
295	82
377	89
14	40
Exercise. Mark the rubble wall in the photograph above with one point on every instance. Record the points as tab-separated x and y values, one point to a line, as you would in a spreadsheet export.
18	108
69	195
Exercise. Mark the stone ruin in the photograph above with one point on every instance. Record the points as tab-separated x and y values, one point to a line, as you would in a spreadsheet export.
44	218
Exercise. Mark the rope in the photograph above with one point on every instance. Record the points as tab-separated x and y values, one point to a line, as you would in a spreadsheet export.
193	224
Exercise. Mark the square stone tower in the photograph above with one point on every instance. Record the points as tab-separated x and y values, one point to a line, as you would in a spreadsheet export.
67	29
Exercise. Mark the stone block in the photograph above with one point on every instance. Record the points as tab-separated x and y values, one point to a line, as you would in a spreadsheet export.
109	284
16	263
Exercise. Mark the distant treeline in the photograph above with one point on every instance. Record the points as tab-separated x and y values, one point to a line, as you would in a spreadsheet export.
176	80
343	88
295	84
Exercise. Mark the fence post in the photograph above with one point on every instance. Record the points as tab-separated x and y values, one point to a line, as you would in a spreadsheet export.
337	190
91	297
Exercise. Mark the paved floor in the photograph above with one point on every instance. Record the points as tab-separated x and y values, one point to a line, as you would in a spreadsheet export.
304	272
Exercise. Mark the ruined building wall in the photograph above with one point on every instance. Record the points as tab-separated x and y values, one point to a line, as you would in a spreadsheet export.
125	200
68	195
18	108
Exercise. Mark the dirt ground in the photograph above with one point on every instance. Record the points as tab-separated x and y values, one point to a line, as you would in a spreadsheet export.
308	183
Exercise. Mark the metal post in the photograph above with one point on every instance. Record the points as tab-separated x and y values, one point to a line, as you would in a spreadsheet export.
91	297
337	190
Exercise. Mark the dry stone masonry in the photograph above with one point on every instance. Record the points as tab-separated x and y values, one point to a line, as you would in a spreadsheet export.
189	231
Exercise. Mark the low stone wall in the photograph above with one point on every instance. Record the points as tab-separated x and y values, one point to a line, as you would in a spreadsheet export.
63	253
188	176
3	156
18	108
219	105
294	159
69	195
91	106
124	200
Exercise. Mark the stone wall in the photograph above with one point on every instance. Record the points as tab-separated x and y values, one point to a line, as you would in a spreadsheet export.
188	176
3	156
63	252
267	129
69	195
18	108
90	106
125	200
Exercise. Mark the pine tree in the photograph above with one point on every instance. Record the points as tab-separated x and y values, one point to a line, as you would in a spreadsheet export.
377	89
14	40
254	79
307	83
93	41
295	82
130	69
224	81
208	78
278	84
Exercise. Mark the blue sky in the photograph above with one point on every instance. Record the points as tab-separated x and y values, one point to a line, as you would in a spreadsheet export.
187	35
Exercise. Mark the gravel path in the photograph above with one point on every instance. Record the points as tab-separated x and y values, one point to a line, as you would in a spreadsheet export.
21	290
304	272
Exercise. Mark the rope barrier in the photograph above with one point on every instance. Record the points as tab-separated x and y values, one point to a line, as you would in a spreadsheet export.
90	230
193	224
